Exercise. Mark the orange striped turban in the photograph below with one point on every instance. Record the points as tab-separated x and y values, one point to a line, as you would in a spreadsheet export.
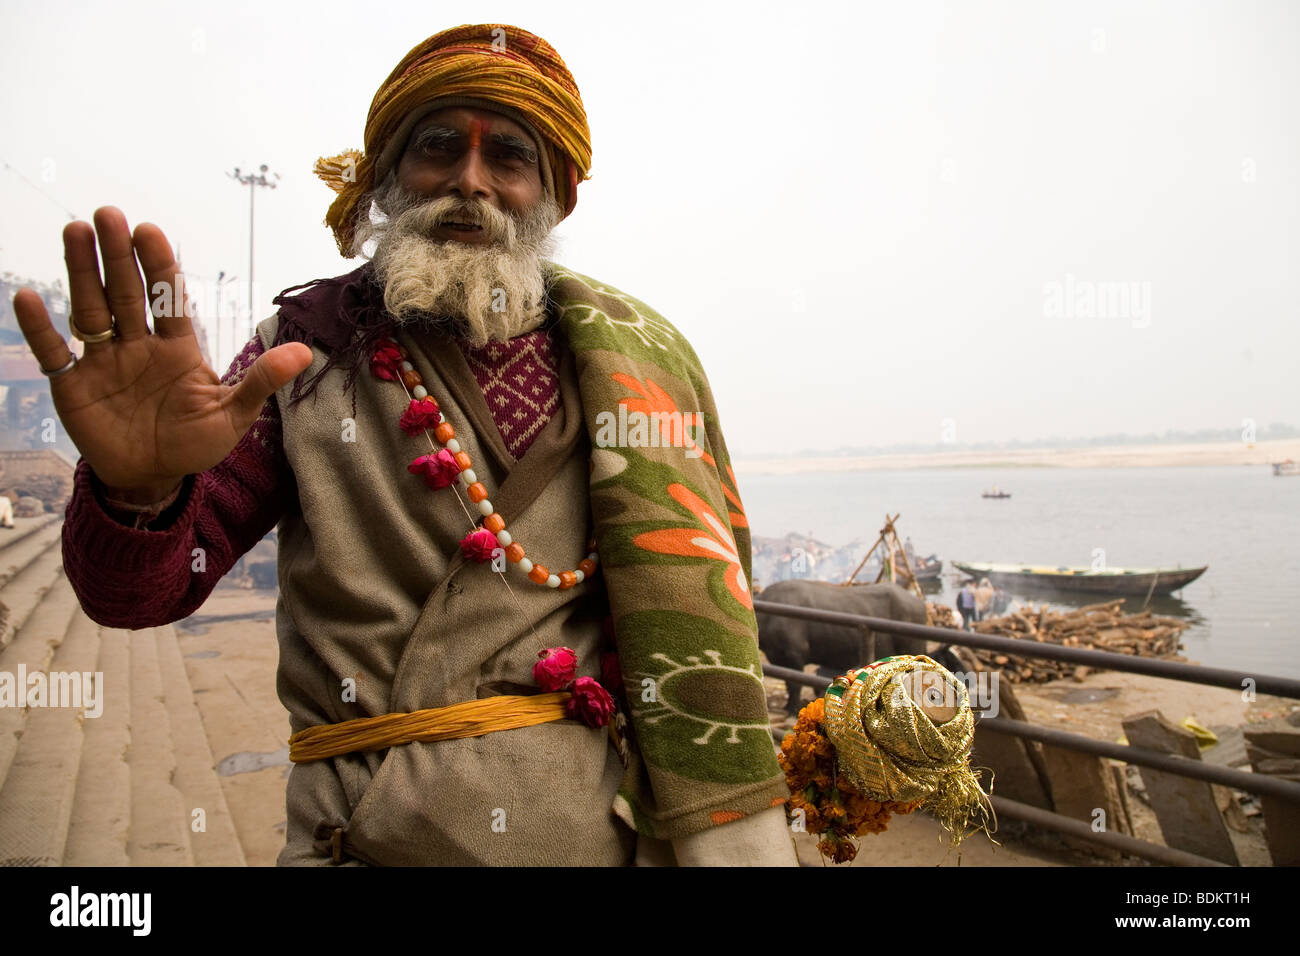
493	65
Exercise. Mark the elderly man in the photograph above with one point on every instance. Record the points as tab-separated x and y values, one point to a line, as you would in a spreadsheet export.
484	487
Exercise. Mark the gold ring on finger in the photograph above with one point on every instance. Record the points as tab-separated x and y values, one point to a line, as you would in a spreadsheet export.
92	338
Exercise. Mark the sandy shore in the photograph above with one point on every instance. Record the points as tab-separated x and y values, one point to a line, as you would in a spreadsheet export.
1259	454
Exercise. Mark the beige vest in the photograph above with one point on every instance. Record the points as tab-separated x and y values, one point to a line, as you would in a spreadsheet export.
373	588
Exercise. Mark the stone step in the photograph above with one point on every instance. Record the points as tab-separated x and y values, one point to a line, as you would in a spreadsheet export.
37	797
32	650
22	530
22	590
101	808
159	834
196	778
17	555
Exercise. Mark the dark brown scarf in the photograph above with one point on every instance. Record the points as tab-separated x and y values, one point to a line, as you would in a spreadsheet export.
343	316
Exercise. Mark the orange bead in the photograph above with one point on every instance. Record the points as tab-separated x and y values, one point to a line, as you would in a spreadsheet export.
476	492
567	580
463	462
494	523
411	379
515	552
539	574
444	433
401	350
587	567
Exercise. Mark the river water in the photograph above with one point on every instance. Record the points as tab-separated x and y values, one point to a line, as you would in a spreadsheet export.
1240	520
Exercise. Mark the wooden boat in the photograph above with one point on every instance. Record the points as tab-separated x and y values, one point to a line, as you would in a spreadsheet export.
1125	581
927	569
996	492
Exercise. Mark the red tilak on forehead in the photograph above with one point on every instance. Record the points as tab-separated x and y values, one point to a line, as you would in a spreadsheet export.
477	128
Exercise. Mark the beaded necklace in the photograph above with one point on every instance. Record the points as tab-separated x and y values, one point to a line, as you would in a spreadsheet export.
589	700
450	464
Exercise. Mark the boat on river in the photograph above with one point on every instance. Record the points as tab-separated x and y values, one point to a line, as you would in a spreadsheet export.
927	568
1285	469
1122	581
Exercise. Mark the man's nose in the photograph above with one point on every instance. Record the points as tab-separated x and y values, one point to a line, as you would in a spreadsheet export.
469	177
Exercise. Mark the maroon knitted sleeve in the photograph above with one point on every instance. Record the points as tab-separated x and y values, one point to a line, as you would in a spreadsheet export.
133	578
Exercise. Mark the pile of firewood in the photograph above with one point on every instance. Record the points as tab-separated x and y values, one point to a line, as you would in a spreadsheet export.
1101	627
940	615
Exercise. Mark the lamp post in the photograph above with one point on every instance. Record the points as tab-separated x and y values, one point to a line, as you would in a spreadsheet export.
252	181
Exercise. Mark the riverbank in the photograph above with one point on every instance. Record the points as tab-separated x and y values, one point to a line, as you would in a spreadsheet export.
1112	456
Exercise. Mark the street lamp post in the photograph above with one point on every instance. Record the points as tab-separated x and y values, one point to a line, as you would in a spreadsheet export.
252	181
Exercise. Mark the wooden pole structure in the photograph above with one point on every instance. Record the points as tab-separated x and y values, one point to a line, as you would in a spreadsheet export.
870	551
888	541
890	534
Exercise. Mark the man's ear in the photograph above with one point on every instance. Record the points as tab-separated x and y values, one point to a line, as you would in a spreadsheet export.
572	199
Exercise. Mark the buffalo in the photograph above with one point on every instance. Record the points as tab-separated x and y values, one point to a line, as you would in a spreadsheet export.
792	642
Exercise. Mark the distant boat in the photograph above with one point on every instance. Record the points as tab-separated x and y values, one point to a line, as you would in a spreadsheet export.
1125	581
1288	468
927	569
996	494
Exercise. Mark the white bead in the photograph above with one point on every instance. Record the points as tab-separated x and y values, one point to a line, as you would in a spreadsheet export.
419	391
503	536
485	508
407	367
468	476
578	575
553	581
452	445
525	565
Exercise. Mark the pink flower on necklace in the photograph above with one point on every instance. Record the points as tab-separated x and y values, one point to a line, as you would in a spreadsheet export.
422	413
590	703
556	668
479	545
438	470
386	362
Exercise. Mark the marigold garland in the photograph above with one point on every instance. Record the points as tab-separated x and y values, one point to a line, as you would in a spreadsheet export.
829	802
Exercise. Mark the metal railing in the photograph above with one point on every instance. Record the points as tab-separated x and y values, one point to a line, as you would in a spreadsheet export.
1102	660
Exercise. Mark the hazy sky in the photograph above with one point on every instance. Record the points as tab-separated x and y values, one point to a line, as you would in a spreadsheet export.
1027	218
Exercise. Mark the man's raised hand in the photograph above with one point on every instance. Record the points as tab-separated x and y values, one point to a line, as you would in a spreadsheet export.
143	408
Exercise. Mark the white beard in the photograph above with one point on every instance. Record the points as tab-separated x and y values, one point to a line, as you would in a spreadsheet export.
492	291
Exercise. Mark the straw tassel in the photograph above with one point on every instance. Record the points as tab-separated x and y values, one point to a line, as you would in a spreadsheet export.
338	171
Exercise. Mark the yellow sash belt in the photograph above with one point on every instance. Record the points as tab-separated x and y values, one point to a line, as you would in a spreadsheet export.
473	718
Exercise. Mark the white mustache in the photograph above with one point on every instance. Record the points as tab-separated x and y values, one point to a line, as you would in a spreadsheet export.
423	219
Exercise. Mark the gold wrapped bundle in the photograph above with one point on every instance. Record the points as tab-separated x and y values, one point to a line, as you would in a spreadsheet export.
891	737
